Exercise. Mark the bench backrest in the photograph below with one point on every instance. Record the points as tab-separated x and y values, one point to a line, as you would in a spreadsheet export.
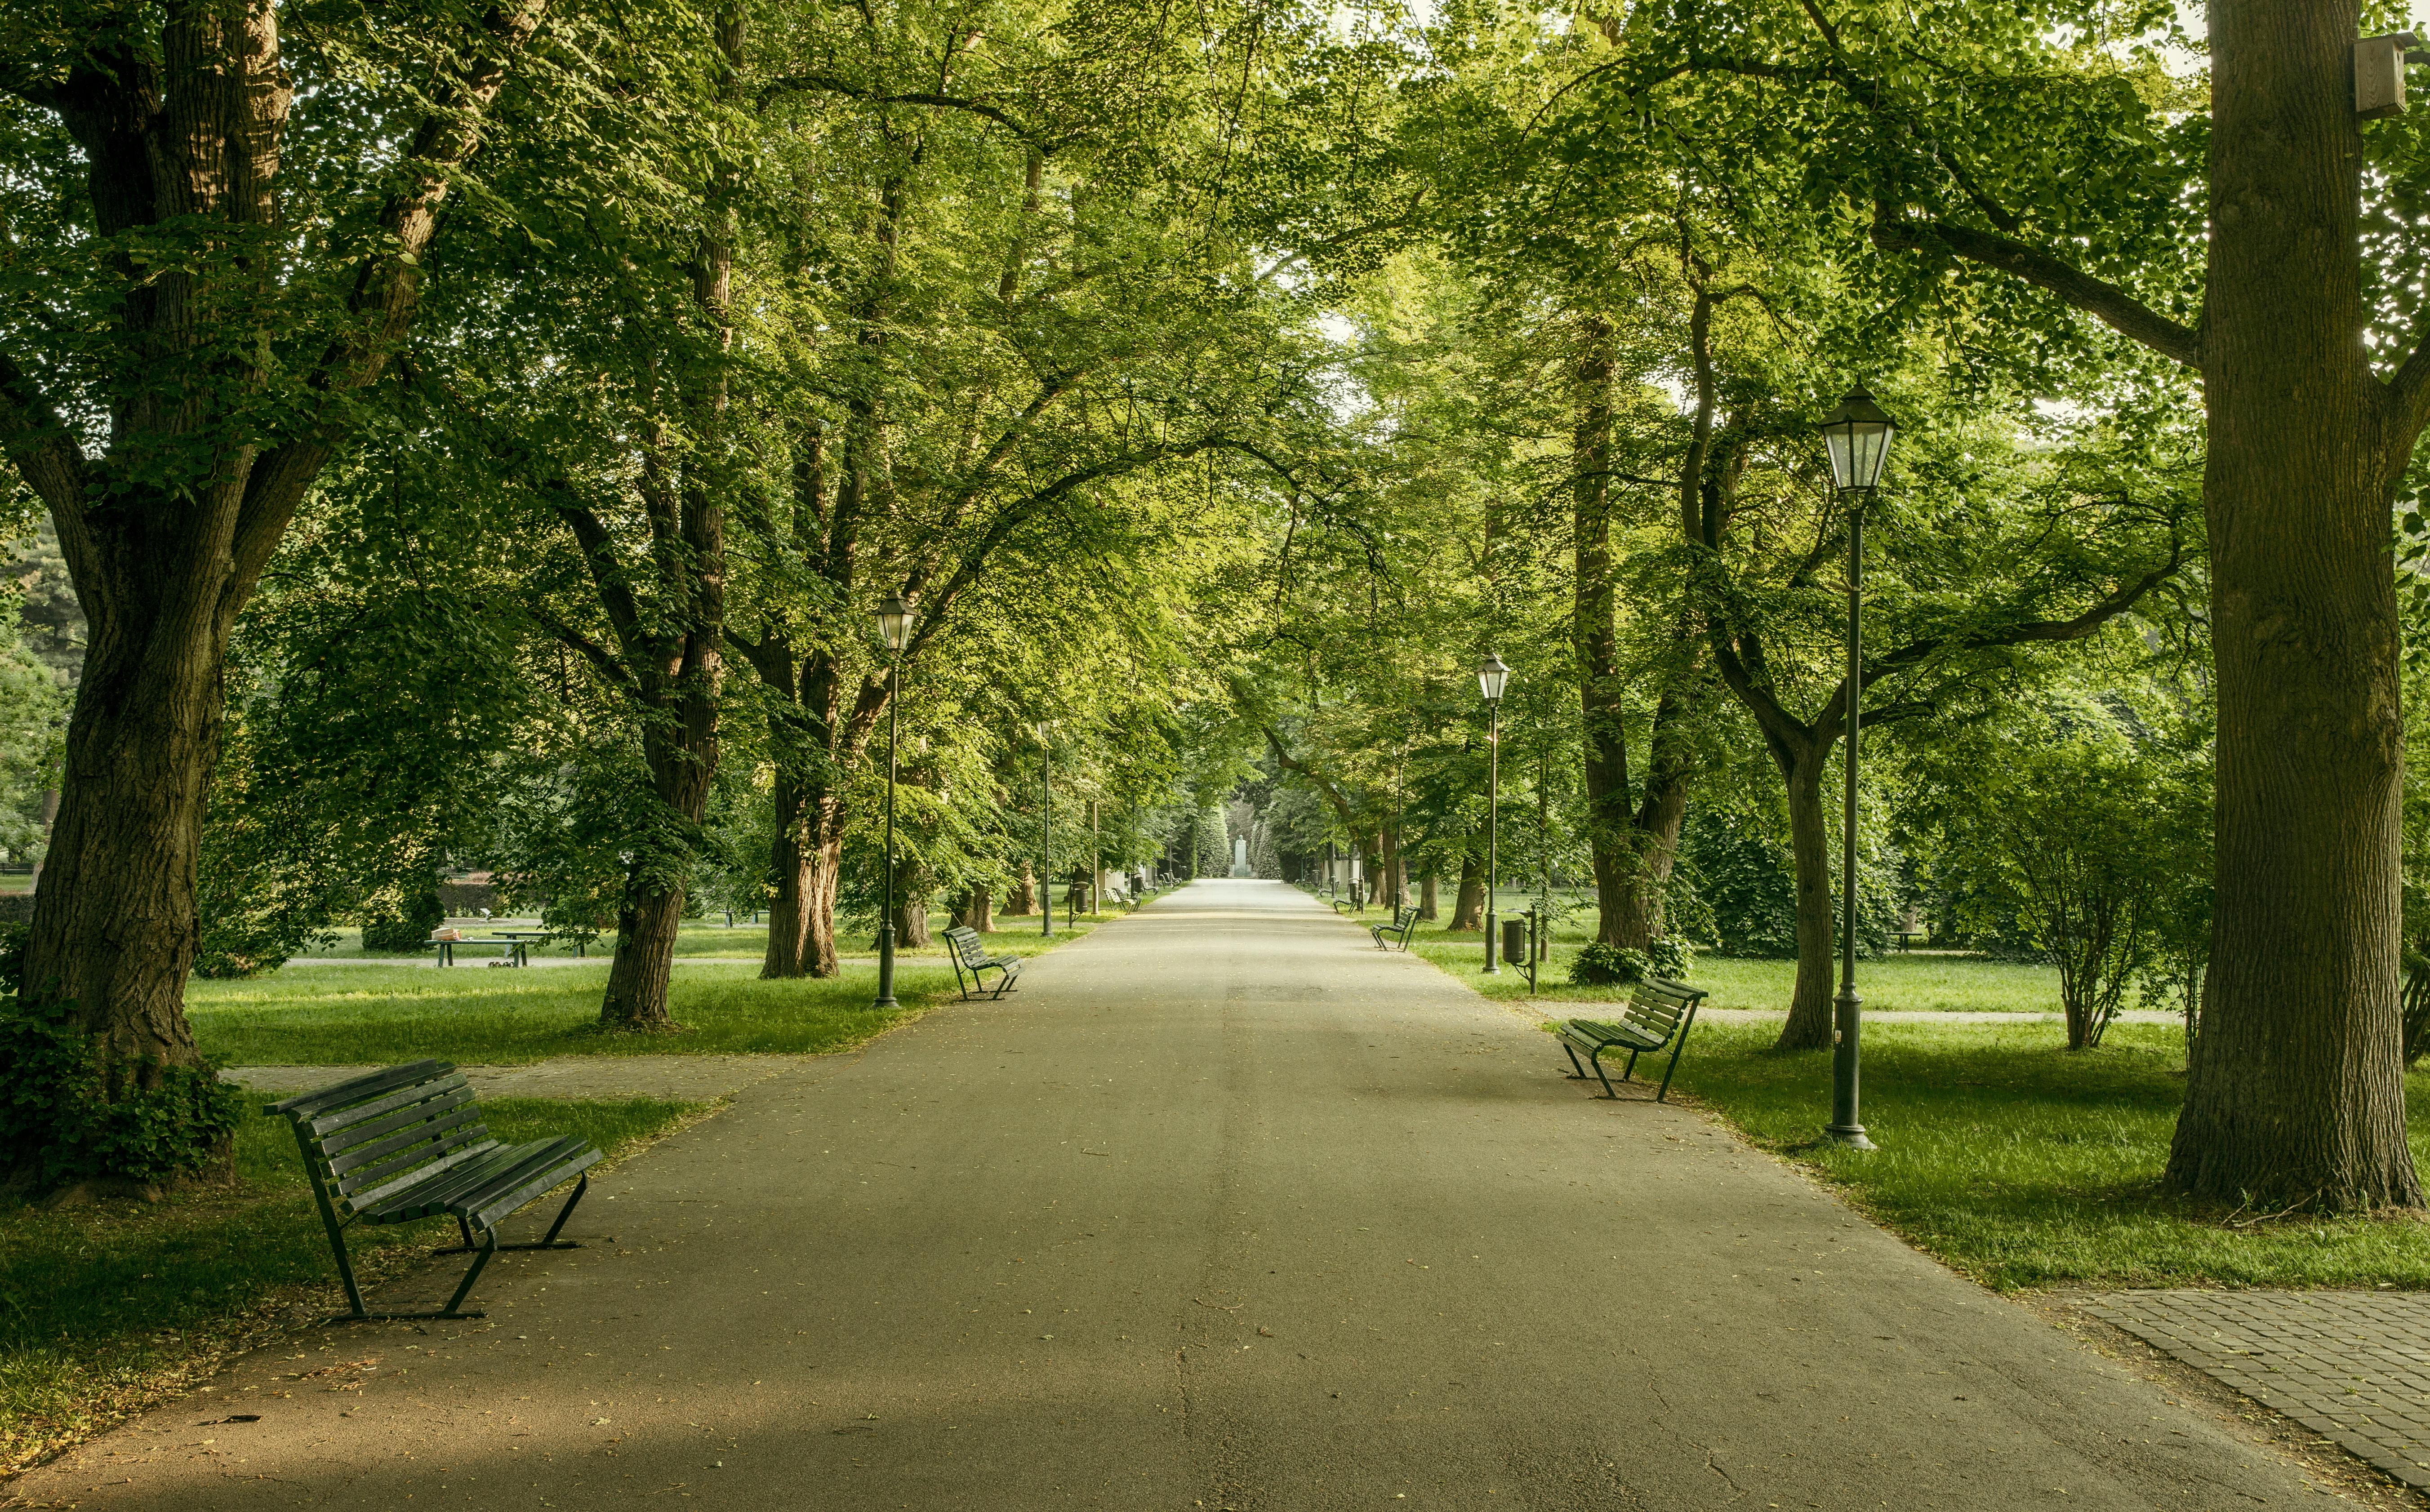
1658	1005
365	1136
967	944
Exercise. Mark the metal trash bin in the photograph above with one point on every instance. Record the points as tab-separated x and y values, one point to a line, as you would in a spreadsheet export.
1514	941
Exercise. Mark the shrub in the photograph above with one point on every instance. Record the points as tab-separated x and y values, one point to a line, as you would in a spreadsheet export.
65	1116
410	930
1597	964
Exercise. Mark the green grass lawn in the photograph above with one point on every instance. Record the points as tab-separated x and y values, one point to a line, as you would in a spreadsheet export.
701	938
2025	1165
364	1015
1895	983
107	1310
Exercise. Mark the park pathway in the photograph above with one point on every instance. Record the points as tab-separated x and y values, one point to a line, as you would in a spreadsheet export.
1224	1209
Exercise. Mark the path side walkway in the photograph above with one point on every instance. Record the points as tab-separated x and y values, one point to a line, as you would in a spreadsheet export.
1222	1210
680	1078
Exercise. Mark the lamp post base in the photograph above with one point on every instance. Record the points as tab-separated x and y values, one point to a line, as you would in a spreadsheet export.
885	968
1492	961
1851	1134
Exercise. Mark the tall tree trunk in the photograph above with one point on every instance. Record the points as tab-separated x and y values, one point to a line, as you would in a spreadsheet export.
911	908
819	956
1633	918
789	918
114	926
1394	891
975	912
1024	898
1809	843
1603	694
1427	910
2294	1091
1468	910
164	551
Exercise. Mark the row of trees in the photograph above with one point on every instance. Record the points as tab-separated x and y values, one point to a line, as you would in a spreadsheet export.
1223	386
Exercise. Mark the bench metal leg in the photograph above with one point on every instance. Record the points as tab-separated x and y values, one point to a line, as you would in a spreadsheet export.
1596	1061
1578	1073
1676	1046
454	1307
546	1242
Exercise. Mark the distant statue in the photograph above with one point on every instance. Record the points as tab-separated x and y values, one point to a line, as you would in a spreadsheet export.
1240	857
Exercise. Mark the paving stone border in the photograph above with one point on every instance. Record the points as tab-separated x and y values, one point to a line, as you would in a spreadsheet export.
2354	1366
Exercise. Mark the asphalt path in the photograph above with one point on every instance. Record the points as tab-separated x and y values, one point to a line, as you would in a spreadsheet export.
1222	1210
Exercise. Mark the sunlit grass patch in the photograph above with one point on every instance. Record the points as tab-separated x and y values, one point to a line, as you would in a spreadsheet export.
2026	1165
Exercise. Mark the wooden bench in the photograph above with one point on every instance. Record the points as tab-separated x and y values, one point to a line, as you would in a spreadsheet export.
516	952
970	954
1659	1013
408	1142
1403	924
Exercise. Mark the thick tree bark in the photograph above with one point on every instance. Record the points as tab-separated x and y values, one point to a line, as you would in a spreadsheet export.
1603	694
1809	843
1023	899
1635	918
788	910
1426	907
1394	891
910	908
975	912
1468	910
2295	1089
167	533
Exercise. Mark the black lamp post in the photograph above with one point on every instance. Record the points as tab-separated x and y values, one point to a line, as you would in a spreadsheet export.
1491	675
894	628
1046	828
1857	435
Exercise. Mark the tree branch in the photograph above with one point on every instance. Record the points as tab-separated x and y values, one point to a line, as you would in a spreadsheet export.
2104	302
830	84
598	656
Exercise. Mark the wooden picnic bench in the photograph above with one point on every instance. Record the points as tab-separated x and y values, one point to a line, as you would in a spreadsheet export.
408	1142
1659	1012
970	955
1405	924
517	946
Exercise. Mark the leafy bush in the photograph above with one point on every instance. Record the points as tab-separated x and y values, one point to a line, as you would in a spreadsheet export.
408	929
1670	956
65	1116
12	955
1597	964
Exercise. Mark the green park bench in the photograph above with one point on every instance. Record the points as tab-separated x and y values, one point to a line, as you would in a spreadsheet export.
1659	1013
408	1142
1405	924
971	956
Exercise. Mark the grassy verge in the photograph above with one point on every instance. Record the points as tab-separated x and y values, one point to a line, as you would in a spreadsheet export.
705	939
105	1311
2026	1166
1897	983
351	1015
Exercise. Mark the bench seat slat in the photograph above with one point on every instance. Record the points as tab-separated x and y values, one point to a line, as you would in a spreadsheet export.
563	1164
406	1162
465	1191
320	1100
342	1127
398	1119
369	1202
448	1115
505	1168
425	1195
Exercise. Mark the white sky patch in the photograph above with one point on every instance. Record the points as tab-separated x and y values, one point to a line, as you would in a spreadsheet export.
1337	328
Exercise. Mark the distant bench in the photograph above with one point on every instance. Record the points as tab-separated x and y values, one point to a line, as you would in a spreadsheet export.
970	955
517	946
1658	1013
1405	924
408	1142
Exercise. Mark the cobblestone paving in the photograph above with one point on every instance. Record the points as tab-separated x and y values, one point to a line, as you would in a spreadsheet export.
2353	1365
